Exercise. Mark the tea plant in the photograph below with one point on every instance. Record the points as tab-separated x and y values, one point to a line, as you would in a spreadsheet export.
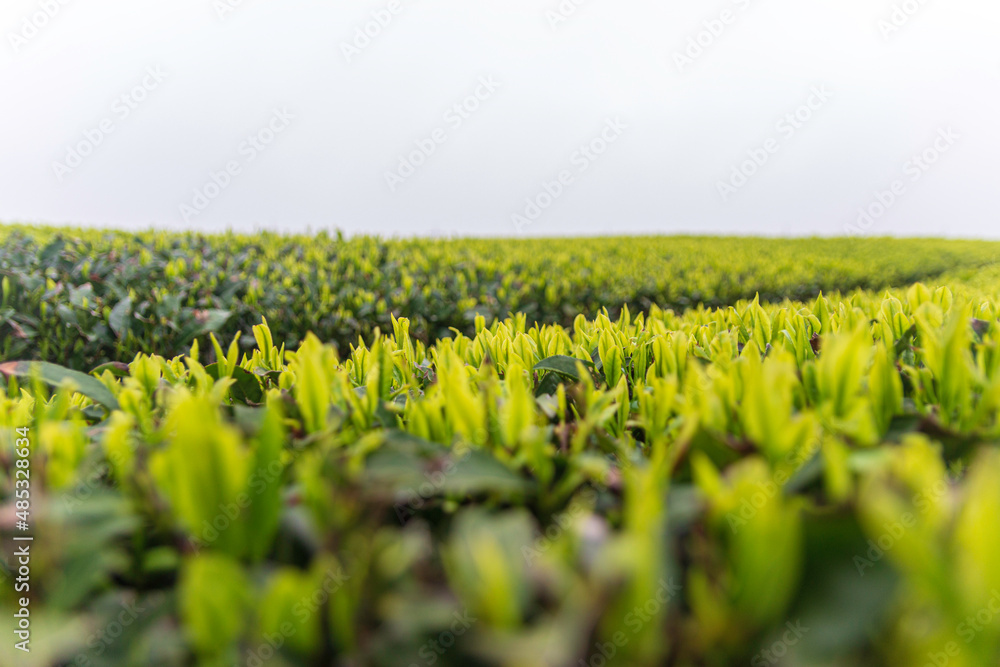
806	482
81	298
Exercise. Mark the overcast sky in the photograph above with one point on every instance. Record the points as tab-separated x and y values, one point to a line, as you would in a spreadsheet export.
490	117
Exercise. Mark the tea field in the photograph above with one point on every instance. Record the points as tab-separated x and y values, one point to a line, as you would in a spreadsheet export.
81	297
695	452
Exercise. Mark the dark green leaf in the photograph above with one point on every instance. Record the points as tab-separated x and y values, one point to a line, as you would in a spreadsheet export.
116	368
55	375
246	389
118	319
209	321
564	366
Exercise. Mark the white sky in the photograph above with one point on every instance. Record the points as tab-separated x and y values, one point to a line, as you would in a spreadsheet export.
680	132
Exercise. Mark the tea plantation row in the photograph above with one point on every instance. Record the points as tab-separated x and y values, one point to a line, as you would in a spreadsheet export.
82	297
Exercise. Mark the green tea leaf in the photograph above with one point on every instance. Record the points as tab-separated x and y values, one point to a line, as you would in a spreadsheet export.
55	375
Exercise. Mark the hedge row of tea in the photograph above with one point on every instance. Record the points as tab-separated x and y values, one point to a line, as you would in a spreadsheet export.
80	298
800	484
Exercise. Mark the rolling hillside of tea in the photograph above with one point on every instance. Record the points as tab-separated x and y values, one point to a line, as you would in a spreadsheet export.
82	297
694	452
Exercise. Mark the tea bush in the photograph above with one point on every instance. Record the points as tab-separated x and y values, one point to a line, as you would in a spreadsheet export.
802	483
84	297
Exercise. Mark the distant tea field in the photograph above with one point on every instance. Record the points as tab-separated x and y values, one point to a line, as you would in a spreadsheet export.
86	296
